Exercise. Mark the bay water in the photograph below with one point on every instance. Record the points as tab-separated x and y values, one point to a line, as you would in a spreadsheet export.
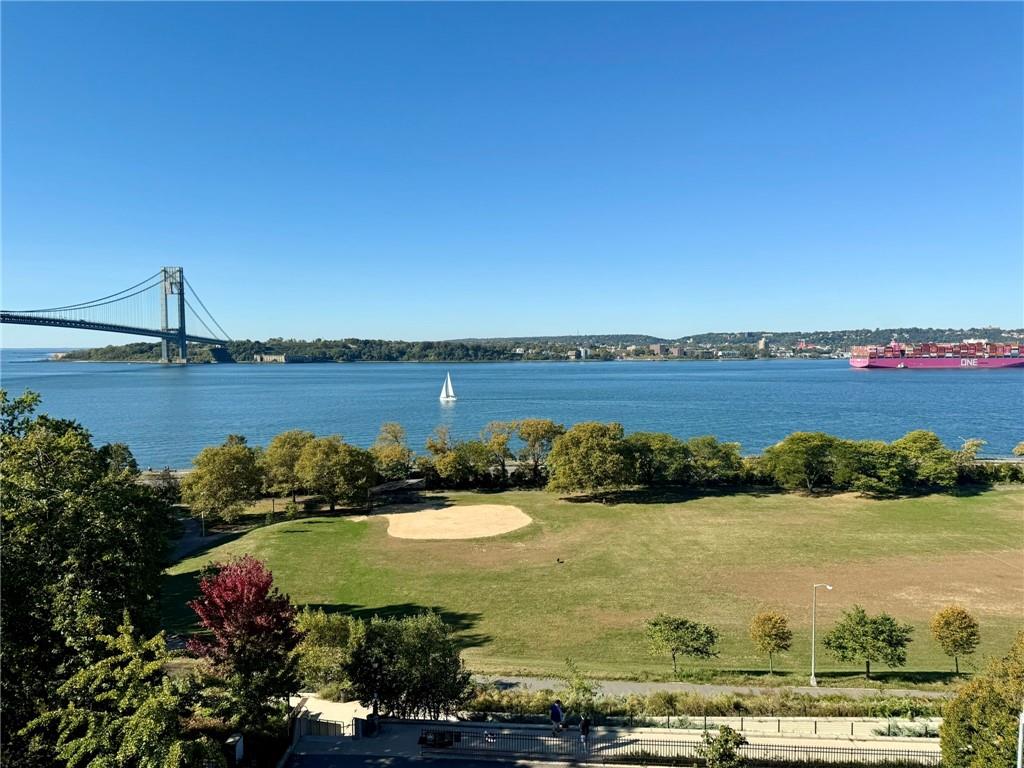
166	414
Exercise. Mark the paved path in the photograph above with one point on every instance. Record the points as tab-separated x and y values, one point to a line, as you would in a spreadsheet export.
397	744
626	687
192	539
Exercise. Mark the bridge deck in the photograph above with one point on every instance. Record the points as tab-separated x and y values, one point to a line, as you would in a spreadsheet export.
16	318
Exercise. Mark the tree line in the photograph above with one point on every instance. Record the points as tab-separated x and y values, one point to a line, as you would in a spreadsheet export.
857	636
589	457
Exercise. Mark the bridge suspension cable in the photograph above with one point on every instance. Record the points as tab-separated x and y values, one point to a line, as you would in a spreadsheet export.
208	313
96	302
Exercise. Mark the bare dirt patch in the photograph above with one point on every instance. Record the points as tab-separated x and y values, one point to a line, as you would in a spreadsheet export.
910	587
471	521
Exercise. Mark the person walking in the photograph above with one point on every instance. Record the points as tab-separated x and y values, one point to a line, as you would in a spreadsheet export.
556	717
585	731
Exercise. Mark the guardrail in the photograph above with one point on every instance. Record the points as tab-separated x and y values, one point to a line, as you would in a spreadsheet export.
644	750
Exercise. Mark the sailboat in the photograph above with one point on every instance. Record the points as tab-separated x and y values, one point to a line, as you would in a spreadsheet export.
447	391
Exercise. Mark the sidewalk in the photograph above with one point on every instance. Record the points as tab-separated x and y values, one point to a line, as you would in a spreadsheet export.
401	740
626	687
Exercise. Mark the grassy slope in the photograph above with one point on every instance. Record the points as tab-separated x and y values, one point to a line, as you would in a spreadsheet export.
715	559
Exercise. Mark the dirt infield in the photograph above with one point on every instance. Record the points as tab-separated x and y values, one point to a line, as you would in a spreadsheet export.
471	521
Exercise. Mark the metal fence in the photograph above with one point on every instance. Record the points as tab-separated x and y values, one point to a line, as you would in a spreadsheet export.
641	750
312	726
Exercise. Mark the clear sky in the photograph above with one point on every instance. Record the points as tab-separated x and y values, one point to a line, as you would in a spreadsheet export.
427	171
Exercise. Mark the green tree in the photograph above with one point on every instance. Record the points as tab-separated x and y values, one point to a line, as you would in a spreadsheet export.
497	436
934	465
713	463
323	651
875	468
336	471
803	460
466	464
81	544
123	710
771	634
408	666
860	637
681	637
281	458
392	456
590	456
440	441
166	487
956	631
224	479
979	726
722	751
537	437
659	459
118	459
580	691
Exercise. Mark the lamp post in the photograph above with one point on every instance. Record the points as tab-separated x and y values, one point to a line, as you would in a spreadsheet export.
1020	740
814	611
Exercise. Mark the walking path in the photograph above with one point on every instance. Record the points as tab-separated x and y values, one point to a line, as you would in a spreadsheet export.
399	741
192	539
626	687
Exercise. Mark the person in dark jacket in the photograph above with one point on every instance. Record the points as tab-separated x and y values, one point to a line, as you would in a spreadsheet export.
556	717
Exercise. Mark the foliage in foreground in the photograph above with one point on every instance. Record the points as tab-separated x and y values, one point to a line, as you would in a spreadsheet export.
123	710
407	666
83	542
252	636
721	751
979	729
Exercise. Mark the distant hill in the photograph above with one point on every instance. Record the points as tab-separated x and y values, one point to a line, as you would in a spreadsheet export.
534	347
607	339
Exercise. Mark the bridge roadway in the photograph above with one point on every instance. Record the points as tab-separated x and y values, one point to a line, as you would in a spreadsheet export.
171	334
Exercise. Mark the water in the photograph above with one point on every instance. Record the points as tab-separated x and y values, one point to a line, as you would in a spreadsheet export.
166	414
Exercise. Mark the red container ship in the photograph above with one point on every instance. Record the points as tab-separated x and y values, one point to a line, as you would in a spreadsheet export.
969	354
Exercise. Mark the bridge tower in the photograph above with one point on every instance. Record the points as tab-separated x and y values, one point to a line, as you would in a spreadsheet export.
173	285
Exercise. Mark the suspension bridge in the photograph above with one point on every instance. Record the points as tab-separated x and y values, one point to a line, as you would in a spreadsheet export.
157	307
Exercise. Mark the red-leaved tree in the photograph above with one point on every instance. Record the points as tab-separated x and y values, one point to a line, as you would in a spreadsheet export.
252	635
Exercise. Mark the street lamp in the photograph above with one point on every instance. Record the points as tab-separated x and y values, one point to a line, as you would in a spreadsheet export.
1020	740
814	610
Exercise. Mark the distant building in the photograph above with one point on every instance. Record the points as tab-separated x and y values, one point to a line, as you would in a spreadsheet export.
659	349
763	345
519	351
259	357
573	354
677	351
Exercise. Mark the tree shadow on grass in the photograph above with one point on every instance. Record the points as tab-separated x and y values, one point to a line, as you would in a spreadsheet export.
461	622
178	619
177	553
665	495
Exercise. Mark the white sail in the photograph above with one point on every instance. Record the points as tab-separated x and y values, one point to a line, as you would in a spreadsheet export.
447	391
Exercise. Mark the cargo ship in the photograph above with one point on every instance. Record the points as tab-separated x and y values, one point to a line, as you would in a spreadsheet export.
969	354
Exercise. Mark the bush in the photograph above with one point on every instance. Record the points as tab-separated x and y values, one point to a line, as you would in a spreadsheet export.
979	728
661	704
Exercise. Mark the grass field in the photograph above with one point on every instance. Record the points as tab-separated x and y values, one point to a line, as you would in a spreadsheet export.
716	559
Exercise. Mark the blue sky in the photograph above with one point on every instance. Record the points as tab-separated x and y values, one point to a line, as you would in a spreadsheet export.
435	171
